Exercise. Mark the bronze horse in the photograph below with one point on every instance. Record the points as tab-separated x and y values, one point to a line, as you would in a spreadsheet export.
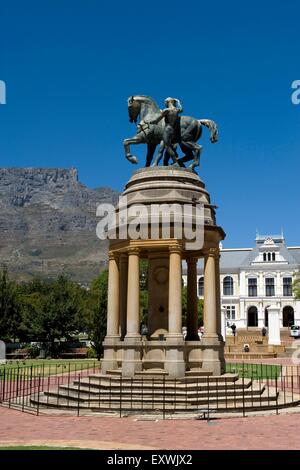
187	132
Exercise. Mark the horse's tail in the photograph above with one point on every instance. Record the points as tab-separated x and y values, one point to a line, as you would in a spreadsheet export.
212	126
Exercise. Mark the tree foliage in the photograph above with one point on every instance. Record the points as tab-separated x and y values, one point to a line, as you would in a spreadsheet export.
97	307
184	308
41	310
296	286
52	310
10	316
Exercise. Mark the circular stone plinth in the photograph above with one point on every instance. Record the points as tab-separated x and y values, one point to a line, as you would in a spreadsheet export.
169	185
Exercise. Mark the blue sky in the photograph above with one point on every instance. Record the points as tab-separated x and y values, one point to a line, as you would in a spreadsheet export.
69	66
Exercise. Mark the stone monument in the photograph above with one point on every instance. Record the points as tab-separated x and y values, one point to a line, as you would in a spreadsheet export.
274	325
150	193
2	352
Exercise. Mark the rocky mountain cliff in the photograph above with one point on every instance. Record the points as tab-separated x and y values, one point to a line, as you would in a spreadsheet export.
48	223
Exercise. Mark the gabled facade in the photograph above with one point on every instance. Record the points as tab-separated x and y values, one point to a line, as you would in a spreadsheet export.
252	279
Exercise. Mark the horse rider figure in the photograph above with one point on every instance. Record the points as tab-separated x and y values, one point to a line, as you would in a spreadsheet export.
170	114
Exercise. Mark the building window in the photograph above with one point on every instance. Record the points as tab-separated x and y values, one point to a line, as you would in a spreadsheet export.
252	287
269	256
228	285
201	287
270	287
230	312
287	287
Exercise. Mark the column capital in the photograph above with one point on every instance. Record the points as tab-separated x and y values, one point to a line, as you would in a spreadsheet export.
133	251
113	256
175	249
213	252
192	260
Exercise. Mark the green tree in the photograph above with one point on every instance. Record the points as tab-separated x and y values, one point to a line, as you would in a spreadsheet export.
184	308
296	285
97	308
52	310
10	317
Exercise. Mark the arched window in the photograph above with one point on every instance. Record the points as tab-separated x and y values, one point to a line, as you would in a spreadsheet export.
201	287
273	257
228	285
288	317
265	256
269	256
253	317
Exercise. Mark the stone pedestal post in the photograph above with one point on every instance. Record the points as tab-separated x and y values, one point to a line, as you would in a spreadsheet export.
175	364
132	341
2	352
192	301
112	336
261	316
213	357
274	325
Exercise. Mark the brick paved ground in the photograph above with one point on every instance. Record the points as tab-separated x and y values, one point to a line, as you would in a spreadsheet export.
267	432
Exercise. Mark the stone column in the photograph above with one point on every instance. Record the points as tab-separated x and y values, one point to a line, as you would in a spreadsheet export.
175	286
132	342
112	337
133	295
192	301
213	353
174	363
123	294
113	297
210	294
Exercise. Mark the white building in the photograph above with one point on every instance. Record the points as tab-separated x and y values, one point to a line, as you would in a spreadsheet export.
252	279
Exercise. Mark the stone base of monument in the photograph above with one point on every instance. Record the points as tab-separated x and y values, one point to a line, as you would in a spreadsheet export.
165	205
174	356
154	393
213	355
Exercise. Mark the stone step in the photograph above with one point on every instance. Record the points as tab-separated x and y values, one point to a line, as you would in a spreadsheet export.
228	377
96	383
140	387
95	379
212	402
197	373
151	397
249	355
114	372
152	373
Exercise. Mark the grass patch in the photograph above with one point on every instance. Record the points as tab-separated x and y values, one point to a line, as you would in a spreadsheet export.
47	367
254	371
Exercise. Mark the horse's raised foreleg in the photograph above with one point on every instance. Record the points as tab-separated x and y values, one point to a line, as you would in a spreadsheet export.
133	141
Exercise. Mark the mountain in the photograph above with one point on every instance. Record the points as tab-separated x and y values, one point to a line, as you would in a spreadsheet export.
48	223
